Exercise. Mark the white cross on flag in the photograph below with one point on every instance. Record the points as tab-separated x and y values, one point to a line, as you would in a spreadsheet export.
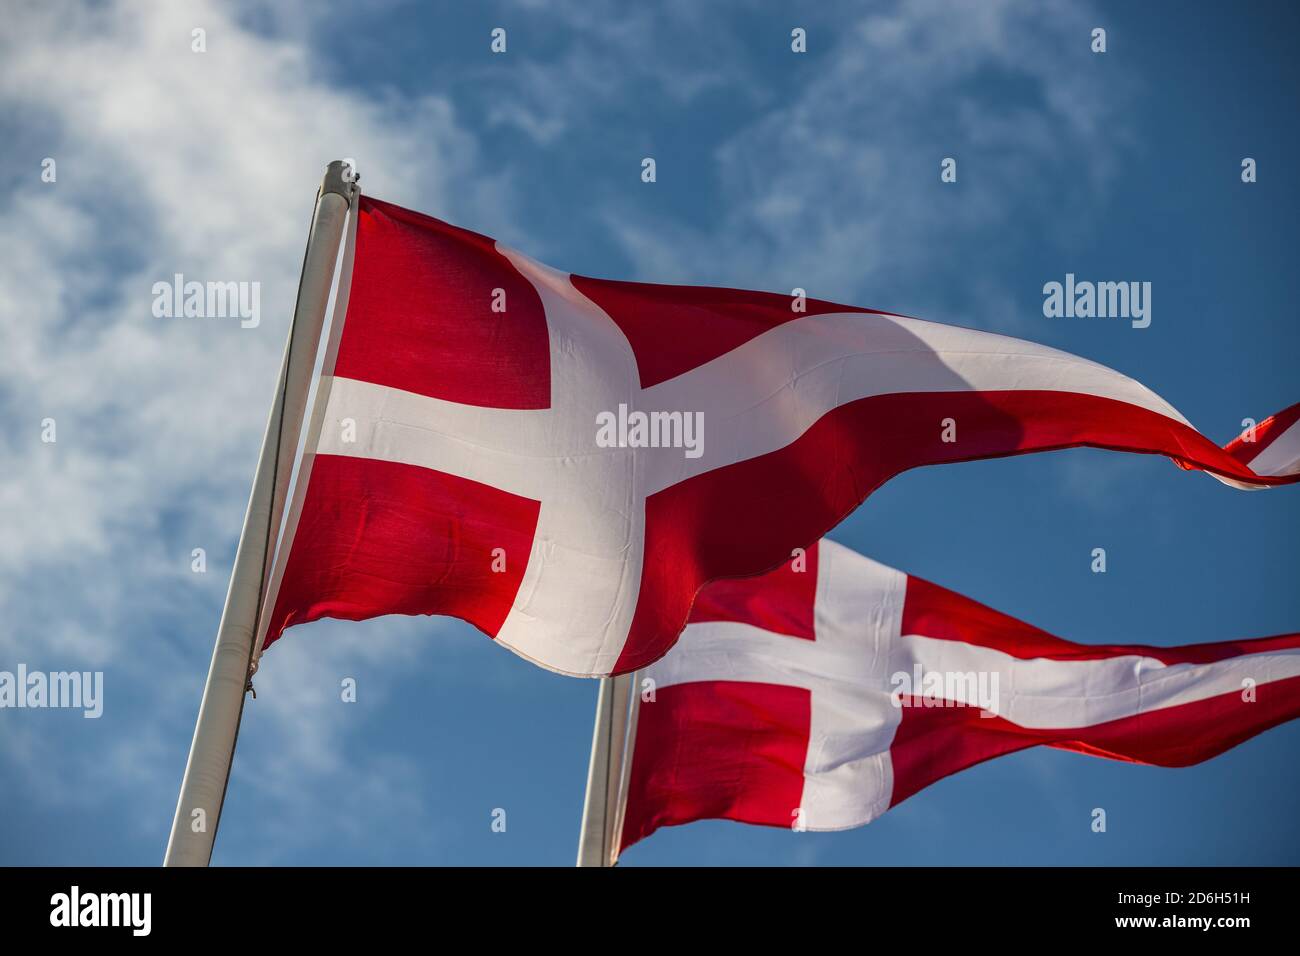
564	462
821	694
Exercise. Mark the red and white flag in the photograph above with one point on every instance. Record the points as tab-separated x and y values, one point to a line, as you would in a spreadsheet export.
563	461
818	699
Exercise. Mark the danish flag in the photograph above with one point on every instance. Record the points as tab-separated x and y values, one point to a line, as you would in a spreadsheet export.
463	458
793	698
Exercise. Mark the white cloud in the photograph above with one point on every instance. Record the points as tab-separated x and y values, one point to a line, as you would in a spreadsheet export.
168	161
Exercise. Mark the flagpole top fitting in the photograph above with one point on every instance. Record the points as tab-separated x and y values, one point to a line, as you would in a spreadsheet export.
340	177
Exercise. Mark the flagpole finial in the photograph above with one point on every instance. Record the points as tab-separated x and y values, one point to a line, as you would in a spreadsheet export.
340	177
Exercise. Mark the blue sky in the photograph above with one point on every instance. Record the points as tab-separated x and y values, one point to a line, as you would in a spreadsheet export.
775	170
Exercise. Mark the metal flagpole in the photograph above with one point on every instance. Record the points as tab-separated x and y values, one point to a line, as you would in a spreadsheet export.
601	810
203	788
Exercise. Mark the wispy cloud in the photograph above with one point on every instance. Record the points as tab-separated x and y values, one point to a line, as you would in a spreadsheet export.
838	189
